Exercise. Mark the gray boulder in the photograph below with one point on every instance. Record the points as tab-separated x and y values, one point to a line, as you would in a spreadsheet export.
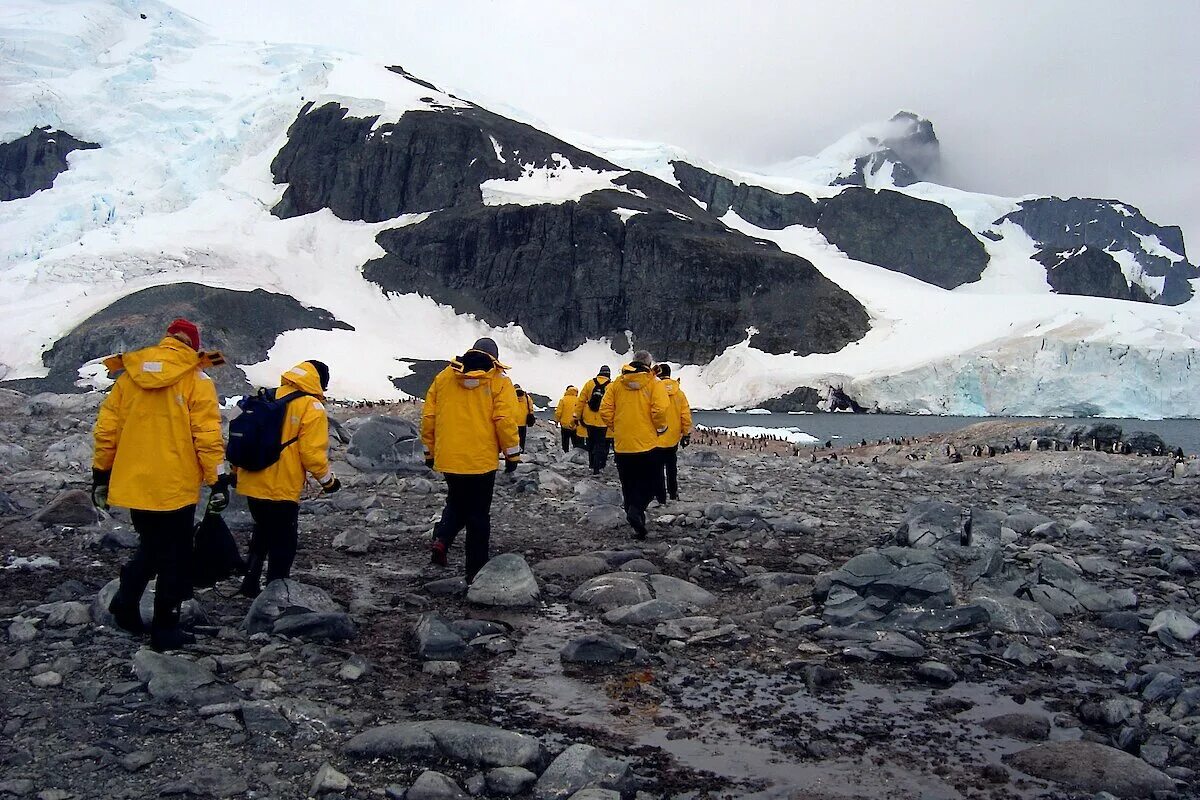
594	493
285	597
571	568
603	518
431	785
1030	727
386	444
72	507
170	677
613	590
505	581
650	612
578	767
1014	615
509	781
436	641
1091	767
598	649
680	592
466	742
1176	623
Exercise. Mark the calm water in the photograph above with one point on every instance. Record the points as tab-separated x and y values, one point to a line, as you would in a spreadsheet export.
848	428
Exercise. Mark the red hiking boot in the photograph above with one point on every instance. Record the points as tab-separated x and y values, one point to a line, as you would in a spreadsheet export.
437	553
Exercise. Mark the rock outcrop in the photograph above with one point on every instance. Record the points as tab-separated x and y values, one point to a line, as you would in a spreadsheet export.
32	162
1088	271
1061	225
242	325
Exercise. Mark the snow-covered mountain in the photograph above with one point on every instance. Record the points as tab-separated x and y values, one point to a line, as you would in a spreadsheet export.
300	202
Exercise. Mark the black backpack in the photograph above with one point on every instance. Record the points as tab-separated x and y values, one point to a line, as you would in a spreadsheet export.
255	434
215	554
597	396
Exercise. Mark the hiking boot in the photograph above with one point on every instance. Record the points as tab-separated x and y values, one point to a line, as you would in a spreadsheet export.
251	583
437	553
637	520
128	618
173	638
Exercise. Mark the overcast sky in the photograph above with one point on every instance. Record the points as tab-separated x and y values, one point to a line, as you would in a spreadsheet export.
1086	97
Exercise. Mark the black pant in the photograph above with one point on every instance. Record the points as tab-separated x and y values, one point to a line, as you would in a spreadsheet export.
164	550
468	505
275	538
667	473
521	431
639	478
567	436
597	447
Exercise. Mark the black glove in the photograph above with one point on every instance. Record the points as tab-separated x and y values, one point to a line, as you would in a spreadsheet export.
218	500
686	440
429	462
331	487
100	478
510	465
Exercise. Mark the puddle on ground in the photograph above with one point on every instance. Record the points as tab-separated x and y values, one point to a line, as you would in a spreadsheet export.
753	729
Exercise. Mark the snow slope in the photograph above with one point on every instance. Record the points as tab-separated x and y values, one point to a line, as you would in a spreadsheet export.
181	189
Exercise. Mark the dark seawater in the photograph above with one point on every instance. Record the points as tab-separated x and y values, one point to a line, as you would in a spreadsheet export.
845	429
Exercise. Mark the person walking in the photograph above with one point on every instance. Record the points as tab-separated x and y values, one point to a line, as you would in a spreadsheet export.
587	410
525	417
157	441
636	407
273	494
468	421
564	415
679	433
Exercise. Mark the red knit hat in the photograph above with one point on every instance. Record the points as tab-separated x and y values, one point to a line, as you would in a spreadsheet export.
188	329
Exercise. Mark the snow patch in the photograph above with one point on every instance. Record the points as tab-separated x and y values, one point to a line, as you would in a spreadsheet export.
557	184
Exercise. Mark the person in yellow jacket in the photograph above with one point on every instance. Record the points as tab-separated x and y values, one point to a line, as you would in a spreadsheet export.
564	415
468	421
587	411
679	433
157	441
637	407
525	417
273	494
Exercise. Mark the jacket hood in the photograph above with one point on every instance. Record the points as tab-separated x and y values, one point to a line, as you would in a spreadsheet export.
157	367
469	369
635	376
572	391
671	384
303	376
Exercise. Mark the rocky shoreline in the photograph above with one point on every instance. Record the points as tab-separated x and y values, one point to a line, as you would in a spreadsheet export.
790	629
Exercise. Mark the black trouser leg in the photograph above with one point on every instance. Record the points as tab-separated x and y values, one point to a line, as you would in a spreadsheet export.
276	535
660	477
671	468
167	537
597	447
566	440
521	432
469	505
637	474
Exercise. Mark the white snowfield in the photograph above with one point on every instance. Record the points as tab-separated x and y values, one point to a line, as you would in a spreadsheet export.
181	190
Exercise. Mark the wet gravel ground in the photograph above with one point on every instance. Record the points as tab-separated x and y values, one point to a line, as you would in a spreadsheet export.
760	693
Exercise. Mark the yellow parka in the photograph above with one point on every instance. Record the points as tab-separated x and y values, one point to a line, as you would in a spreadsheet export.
305	422
524	409
469	418
583	412
679	417
636	408
159	429
564	412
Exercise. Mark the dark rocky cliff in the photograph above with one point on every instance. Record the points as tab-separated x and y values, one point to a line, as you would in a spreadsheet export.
903	234
1060	225
1088	271
242	325
912	149
684	284
32	162
574	271
428	160
885	228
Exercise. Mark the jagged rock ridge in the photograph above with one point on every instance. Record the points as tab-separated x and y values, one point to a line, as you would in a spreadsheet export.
1088	271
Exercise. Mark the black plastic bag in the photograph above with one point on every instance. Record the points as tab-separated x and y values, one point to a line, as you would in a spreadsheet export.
215	554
